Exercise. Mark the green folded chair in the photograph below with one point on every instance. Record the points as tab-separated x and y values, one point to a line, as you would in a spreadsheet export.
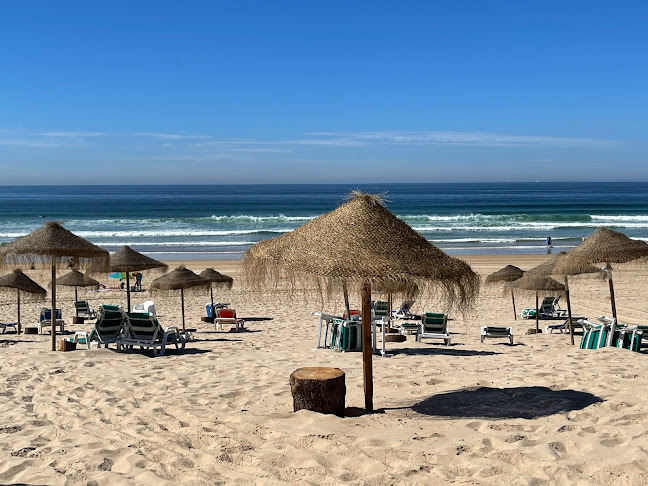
346	335
145	331
83	310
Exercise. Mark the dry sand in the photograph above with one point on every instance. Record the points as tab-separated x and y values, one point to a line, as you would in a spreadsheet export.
540	412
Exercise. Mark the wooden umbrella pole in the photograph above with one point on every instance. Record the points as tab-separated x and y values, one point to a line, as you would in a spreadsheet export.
613	302
347	306
76	301
128	307
513	299
18	294
182	301
211	294
569	313
367	350
53	322
537	314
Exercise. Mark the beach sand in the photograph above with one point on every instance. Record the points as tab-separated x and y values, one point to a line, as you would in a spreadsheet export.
539	412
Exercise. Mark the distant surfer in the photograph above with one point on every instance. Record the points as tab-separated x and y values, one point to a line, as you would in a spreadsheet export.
548	244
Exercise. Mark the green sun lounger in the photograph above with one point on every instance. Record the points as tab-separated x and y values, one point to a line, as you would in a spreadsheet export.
497	332
107	329
434	326
145	331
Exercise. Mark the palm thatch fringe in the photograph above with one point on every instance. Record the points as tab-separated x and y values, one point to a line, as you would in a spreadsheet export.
360	241
52	243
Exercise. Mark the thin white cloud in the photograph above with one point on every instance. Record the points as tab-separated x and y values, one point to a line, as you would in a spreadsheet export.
330	142
465	138
261	150
35	143
72	134
170	136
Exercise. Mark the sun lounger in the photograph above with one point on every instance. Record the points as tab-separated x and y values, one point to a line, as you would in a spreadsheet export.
564	327
497	332
346	335
403	312
45	320
146	332
227	316
5	325
107	329
548	309
434	326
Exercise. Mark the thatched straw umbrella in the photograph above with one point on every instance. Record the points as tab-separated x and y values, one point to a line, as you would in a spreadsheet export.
603	246
128	260
180	279
509	273
362	244
214	277
76	279
549	268
22	283
52	244
537	284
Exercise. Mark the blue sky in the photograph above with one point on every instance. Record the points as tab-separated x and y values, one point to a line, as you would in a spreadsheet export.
335	91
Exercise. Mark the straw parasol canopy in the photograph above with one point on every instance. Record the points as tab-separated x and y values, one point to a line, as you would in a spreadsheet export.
22	283
537	284
76	279
180	279
603	246
217	278
509	273
127	260
549	268
55	245
362	244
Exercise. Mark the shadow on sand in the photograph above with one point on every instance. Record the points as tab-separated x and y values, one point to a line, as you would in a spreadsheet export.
526	402
442	350
257	319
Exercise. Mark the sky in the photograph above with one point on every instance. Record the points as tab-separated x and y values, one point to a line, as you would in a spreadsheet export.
322	91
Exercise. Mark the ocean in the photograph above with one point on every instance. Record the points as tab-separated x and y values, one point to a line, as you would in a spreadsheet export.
222	221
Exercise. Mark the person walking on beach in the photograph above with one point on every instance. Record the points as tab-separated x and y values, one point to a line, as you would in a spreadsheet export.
548	244
138	281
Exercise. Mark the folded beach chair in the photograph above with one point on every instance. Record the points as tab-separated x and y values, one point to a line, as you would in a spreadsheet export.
107	329
227	316
45	319
403	312
346	335
83	310
146	332
5	325
630	338
596	336
147	307
434	326
497	332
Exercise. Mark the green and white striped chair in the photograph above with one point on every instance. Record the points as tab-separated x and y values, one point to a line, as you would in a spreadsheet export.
145	331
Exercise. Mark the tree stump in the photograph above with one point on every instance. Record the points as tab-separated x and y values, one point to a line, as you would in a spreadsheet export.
78	320
207	319
320	390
